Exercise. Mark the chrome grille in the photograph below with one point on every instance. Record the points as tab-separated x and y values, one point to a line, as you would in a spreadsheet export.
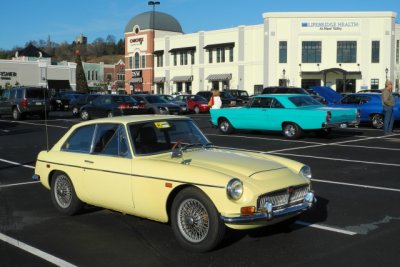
284	197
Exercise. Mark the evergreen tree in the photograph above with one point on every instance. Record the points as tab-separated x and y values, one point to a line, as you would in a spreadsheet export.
81	83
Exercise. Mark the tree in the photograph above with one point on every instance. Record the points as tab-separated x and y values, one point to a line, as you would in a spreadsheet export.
81	82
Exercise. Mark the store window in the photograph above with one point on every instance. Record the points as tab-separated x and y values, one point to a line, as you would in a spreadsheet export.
210	56
346	52
222	54
137	59
282	52
375	52
397	51
175	59
230	54
192	57
374	83
218	55
311	51
143	61
130	62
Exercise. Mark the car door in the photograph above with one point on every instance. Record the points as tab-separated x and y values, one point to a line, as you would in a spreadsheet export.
5	105
97	108
255	115
108	167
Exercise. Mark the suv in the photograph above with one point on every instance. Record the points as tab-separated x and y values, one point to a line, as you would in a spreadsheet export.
284	90
21	101
239	94
226	98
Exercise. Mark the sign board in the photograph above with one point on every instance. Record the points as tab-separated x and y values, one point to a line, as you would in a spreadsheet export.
136	77
7	75
331	25
137	42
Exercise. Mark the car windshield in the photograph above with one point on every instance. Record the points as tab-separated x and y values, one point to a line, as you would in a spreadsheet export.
226	95
155	99
303	101
198	98
36	93
167	98
161	136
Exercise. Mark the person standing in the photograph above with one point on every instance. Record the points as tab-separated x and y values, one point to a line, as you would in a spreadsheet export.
388	104
215	100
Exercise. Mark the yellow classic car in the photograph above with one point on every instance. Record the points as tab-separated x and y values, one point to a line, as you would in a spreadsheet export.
163	168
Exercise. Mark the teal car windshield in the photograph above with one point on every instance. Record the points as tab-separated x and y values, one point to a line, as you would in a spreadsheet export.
304	101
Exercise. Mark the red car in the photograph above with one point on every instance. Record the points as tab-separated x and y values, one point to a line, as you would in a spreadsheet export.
194	103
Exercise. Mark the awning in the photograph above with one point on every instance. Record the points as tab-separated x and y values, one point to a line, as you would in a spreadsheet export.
159	79
182	78
189	48
219	77
58	84
158	52
221	45
138	80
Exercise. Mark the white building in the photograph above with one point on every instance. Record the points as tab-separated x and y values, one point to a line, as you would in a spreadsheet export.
348	51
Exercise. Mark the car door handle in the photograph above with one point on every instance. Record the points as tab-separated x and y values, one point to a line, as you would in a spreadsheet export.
89	161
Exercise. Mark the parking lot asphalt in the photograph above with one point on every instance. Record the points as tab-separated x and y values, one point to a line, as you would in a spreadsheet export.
356	222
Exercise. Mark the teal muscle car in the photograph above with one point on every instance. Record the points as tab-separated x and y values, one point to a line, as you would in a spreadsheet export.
290	113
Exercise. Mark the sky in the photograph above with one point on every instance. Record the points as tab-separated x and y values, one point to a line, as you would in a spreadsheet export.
63	20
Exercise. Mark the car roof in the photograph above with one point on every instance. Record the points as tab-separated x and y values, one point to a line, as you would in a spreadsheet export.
280	95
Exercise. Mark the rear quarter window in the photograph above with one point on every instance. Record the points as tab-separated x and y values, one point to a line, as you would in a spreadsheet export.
80	140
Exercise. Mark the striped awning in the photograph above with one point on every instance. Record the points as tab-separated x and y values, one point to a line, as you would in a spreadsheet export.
159	79
219	77
188	78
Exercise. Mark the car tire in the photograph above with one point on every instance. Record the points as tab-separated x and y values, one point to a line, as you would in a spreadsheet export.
195	221
377	121
225	127
196	109
16	114
63	194
291	130
85	115
75	111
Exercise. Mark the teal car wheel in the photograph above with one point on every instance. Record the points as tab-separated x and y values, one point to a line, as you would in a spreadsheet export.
291	130
225	127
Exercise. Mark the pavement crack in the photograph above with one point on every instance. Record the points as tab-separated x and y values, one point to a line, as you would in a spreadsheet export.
364	229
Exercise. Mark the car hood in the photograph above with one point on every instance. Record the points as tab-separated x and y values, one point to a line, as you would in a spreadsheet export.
330	95
230	162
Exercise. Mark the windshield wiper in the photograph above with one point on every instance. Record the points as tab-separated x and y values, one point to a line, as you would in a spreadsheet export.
184	147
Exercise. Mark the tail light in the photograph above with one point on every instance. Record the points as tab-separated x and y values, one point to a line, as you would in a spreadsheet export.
141	105
24	103
122	106
328	116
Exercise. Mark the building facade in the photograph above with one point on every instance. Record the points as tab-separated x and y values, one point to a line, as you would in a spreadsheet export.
348	51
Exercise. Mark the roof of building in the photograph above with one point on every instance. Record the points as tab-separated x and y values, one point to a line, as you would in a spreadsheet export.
162	22
32	51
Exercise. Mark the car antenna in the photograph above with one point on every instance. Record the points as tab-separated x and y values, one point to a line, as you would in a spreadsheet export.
45	91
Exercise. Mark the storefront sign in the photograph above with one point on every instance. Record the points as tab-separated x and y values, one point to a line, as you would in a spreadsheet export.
136	77
7	75
330	25
137	42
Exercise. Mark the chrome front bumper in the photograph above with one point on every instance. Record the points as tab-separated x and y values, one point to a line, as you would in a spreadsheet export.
269	214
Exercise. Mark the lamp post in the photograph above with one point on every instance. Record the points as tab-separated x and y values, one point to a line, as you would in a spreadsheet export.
154	4
284	77
386	71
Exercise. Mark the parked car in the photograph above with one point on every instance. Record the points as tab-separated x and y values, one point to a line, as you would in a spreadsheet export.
153	104
163	168
227	99
22	101
369	105
59	101
290	113
82	100
110	106
283	90
239	94
171	99
195	103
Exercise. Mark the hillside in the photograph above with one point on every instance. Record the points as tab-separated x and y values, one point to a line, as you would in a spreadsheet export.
107	59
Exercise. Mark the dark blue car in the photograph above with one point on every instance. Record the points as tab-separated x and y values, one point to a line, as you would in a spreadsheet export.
369	104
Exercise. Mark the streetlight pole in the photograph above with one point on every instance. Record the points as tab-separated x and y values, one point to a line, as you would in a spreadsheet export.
386	70
153	3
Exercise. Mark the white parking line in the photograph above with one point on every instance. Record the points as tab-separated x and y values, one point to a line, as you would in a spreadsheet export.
262	138
27	183
36	124
357	185
327	228
37	252
17	164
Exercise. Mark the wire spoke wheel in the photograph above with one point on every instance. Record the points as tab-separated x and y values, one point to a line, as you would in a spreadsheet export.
193	220
63	191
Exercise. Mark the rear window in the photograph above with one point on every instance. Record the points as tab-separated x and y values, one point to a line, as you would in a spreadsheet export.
303	101
35	93
123	99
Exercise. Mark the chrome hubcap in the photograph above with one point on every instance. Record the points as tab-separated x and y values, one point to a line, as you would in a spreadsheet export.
377	121
224	126
193	220
63	191
290	130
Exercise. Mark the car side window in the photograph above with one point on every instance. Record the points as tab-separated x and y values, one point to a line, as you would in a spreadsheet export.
276	104
80	140
261	102
6	94
111	140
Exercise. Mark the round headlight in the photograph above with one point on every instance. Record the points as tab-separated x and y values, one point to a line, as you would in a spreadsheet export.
234	189
305	171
